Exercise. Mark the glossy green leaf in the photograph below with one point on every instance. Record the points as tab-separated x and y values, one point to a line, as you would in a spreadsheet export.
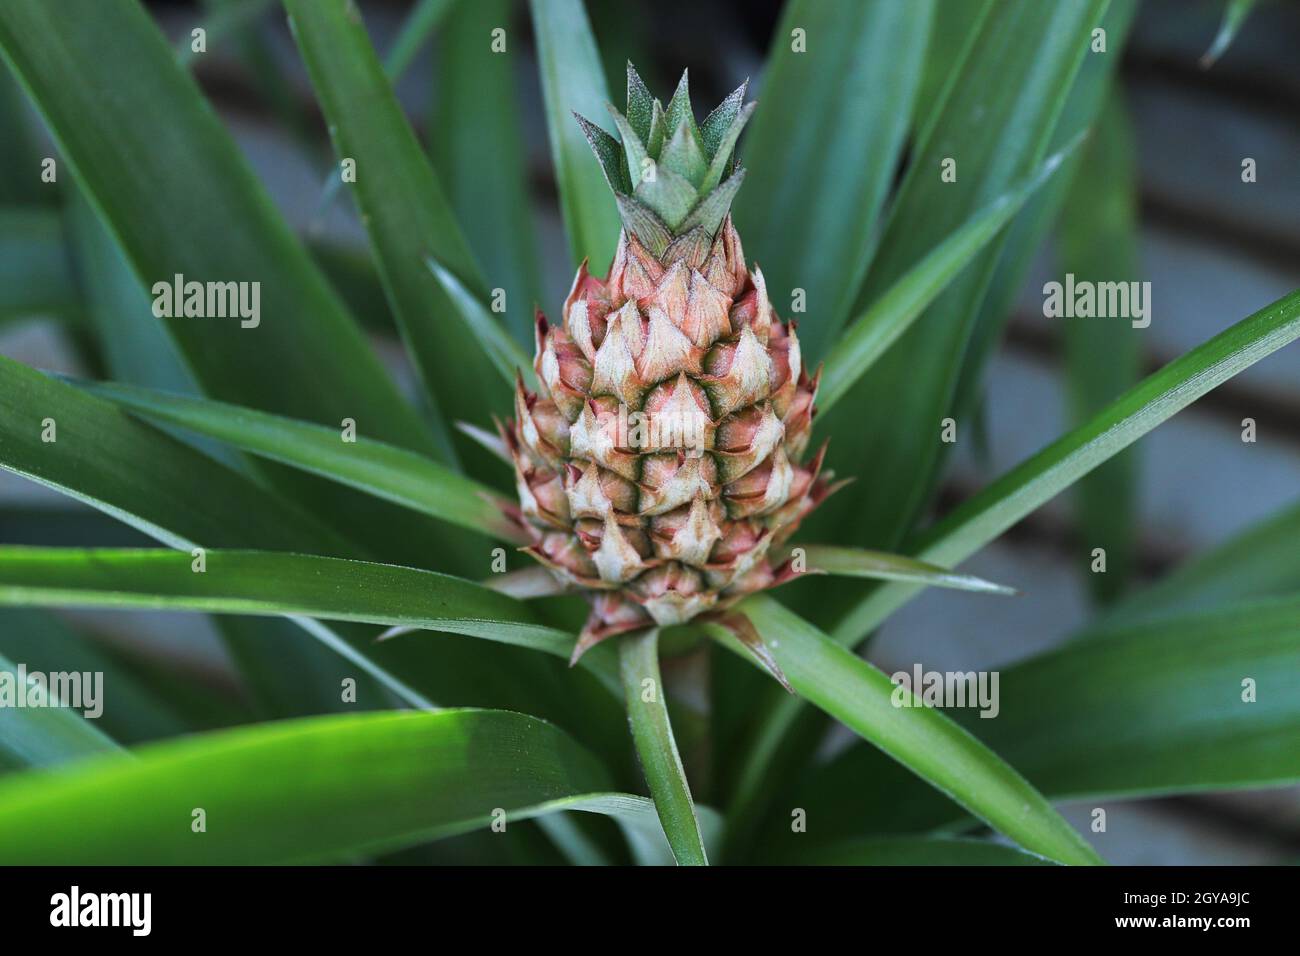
178	195
573	82
951	38
923	739
406	214
882	566
35	274
181	199
1027	234
818	177
994	126
476	139
42	736
501	350
102	456
272	656
267	582
308	790
423	18
1044	475
135	708
647	713
1130	711
1098	243
1262	561
890	316
228	18
386	471
20	180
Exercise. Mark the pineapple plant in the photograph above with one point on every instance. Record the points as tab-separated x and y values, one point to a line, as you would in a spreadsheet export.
437	648
661	465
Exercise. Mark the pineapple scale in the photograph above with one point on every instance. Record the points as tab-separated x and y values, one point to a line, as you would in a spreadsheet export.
660	465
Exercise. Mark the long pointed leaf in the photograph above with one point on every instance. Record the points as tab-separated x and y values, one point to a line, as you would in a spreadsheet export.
385	471
818	177
573	82
647	713
307	790
1040	478
995	126
867	339
267	582
923	739
405	211
1137	710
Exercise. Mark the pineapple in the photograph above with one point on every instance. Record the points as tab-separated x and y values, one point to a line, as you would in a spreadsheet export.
661	463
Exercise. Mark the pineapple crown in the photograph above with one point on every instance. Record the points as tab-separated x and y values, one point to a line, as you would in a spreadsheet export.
669	175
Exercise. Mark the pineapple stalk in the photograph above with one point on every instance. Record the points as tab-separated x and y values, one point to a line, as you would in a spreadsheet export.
663	461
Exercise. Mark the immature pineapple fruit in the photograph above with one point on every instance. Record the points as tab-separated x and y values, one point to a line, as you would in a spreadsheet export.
660	467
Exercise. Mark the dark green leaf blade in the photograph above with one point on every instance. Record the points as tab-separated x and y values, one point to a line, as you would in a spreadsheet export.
1098	244
818	177
1138	710
923	739
485	170
271	583
406	213
647	713
307	790
994	126
574	82
1041	477
386	471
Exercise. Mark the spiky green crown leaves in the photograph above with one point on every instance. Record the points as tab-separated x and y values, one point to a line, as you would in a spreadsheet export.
669	175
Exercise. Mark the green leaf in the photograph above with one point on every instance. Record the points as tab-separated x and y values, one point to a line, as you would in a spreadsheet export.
923	739
125	468
653	734
820	175
272	583
725	145
177	194
1261	561
1234	15
35	275
139	710
180	198
912	851
684	155
995	125
385	471
407	216
880	565
309	790
43	736
20	181
418	26
1129	711
1027	234
574	82
1040	478
951	38
503	352
477	141
867	339
1098	243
